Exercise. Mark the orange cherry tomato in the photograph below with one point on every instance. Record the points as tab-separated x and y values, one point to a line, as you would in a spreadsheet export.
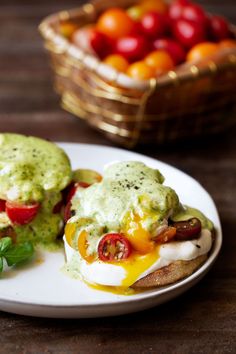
202	50
141	71
66	29
166	236
136	12
117	61
160	61
227	43
115	23
154	5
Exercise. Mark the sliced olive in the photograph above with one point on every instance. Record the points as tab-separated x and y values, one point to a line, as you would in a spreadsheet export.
187	229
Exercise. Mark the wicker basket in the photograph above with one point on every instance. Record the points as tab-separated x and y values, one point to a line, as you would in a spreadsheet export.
189	101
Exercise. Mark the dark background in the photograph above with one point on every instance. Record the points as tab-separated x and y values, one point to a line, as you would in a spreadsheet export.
201	321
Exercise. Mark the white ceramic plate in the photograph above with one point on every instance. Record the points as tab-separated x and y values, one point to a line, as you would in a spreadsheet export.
43	290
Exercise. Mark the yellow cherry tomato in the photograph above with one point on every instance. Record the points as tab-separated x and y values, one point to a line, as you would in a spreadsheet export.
115	23
141	71
227	43
83	245
117	61
66	29
202	50
70	230
154	5
160	61
136	12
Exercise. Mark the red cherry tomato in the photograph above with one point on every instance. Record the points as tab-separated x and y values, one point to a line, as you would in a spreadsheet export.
176	9
21	214
9	232
195	13
67	212
81	39
154	24
2	205
100	43
72	190
218	28
132	47
188	33
187	230
57	208
114	247
172	47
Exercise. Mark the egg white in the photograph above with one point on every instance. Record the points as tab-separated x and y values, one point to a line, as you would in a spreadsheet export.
108	274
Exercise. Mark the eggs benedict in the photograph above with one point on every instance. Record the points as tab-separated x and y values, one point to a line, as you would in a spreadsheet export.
33	174
129	230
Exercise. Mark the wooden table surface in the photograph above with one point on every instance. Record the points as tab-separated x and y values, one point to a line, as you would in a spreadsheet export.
203	320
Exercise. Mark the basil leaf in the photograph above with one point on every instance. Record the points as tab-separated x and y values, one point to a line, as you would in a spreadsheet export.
5	244
19	253
1	264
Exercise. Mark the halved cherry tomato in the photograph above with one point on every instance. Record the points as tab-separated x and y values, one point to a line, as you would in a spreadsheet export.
166	236
9	232
172	47
160	61
87	176
141	71
2	205
83	245
202	50
73	188
21	214
188	229
117	61
114	247
57	208
115	23
154	24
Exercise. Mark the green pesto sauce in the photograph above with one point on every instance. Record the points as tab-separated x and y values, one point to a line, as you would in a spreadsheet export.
30	166
187	213
34	170
45	227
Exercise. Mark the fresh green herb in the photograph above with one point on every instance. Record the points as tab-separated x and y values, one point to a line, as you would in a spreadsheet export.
14	254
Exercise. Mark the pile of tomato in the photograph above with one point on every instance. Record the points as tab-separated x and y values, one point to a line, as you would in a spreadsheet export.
151	37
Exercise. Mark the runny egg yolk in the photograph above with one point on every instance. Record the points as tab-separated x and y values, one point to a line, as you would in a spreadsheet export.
145	254
139	237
